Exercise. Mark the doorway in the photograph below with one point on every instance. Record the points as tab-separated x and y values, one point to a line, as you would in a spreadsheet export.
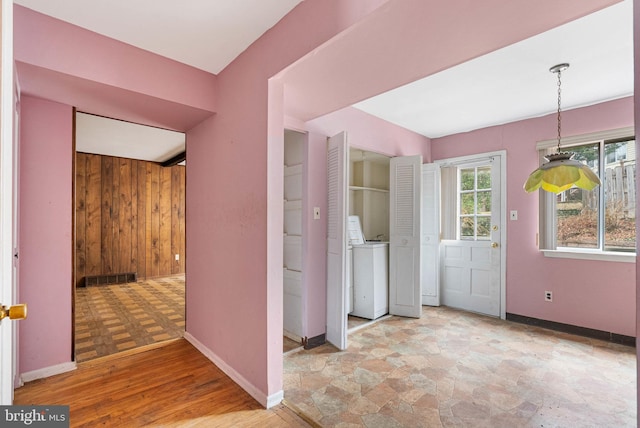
129	233
472	253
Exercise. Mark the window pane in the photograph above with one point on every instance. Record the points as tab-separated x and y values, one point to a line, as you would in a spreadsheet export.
466	227
467	179
619	196
577	212
484	227
577	209
484	202
467	204
484	177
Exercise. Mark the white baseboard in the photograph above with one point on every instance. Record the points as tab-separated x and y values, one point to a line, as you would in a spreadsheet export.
262	398
48	371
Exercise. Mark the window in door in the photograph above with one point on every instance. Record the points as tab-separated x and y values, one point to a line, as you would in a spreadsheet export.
474	202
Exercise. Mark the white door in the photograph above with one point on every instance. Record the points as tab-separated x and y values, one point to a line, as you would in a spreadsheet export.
337	240
430	241
6	201
404	231
471	263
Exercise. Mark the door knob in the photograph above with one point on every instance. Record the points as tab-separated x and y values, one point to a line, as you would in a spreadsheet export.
494	245
15	312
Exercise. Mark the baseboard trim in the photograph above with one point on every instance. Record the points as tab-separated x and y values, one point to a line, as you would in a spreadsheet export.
47	371
574	329
314	342
262	398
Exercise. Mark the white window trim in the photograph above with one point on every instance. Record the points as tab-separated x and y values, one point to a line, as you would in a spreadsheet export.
547	214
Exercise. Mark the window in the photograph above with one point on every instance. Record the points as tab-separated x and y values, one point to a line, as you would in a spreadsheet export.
601	220
475	203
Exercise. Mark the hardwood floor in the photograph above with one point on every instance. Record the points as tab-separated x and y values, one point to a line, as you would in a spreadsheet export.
169	384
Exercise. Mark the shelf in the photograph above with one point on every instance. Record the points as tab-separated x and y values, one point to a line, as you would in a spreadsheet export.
371	189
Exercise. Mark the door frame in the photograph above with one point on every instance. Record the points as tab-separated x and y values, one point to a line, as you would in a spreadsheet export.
502	155
8	177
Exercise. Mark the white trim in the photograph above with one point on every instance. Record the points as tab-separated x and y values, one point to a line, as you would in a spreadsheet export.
608	256
502	154
48	371
262	398
573	140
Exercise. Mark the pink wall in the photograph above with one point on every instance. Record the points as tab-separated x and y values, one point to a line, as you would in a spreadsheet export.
45	233
368	132
99	75
592	294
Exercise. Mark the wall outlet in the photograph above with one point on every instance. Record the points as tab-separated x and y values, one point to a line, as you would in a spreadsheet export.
177	257
548	296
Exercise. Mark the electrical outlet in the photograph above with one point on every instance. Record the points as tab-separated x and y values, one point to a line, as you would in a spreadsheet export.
548	296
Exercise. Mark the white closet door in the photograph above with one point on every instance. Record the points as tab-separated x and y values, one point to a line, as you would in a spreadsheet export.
404	230
430	254
337	240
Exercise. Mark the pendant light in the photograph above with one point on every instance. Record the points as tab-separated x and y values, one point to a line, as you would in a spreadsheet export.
561	172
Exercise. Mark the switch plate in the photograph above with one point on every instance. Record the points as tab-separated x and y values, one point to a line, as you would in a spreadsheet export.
316	213
177	257
514	215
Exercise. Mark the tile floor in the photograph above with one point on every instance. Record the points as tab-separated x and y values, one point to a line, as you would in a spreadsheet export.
118	317
452	368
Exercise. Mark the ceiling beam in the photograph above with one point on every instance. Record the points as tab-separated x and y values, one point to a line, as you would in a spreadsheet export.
174	160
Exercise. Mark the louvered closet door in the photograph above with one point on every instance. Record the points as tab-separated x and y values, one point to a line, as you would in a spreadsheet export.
336	241
404	231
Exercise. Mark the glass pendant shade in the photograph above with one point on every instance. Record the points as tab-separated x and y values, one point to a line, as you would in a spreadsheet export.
561	173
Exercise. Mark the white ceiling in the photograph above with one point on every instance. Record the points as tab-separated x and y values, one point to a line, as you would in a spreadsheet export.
207	34
514	83
103	136
509	84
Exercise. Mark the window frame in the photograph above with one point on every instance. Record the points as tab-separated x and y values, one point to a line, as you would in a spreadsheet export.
547	215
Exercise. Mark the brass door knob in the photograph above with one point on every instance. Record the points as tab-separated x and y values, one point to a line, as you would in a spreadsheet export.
494	245
15	312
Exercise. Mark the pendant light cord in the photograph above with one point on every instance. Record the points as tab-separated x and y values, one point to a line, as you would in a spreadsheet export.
559	104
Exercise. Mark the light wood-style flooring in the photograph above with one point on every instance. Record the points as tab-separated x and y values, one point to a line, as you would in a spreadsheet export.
169	384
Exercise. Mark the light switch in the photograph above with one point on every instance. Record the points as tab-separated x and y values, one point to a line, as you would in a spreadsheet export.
177	257
514	215
316	213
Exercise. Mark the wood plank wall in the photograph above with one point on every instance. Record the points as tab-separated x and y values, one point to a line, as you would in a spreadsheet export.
129	217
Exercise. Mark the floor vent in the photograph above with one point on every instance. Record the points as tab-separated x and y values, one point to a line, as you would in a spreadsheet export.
110	278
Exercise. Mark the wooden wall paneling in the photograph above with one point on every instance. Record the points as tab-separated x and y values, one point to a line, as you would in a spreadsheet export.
81	213
142	216
155	220
175	222
93	221
165	222
115	217
107	226
133	260
129	217
183	218
124	227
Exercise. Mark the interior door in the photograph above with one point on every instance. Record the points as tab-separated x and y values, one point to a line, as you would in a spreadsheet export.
337	240
7	195
404	229
471	262
430	252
